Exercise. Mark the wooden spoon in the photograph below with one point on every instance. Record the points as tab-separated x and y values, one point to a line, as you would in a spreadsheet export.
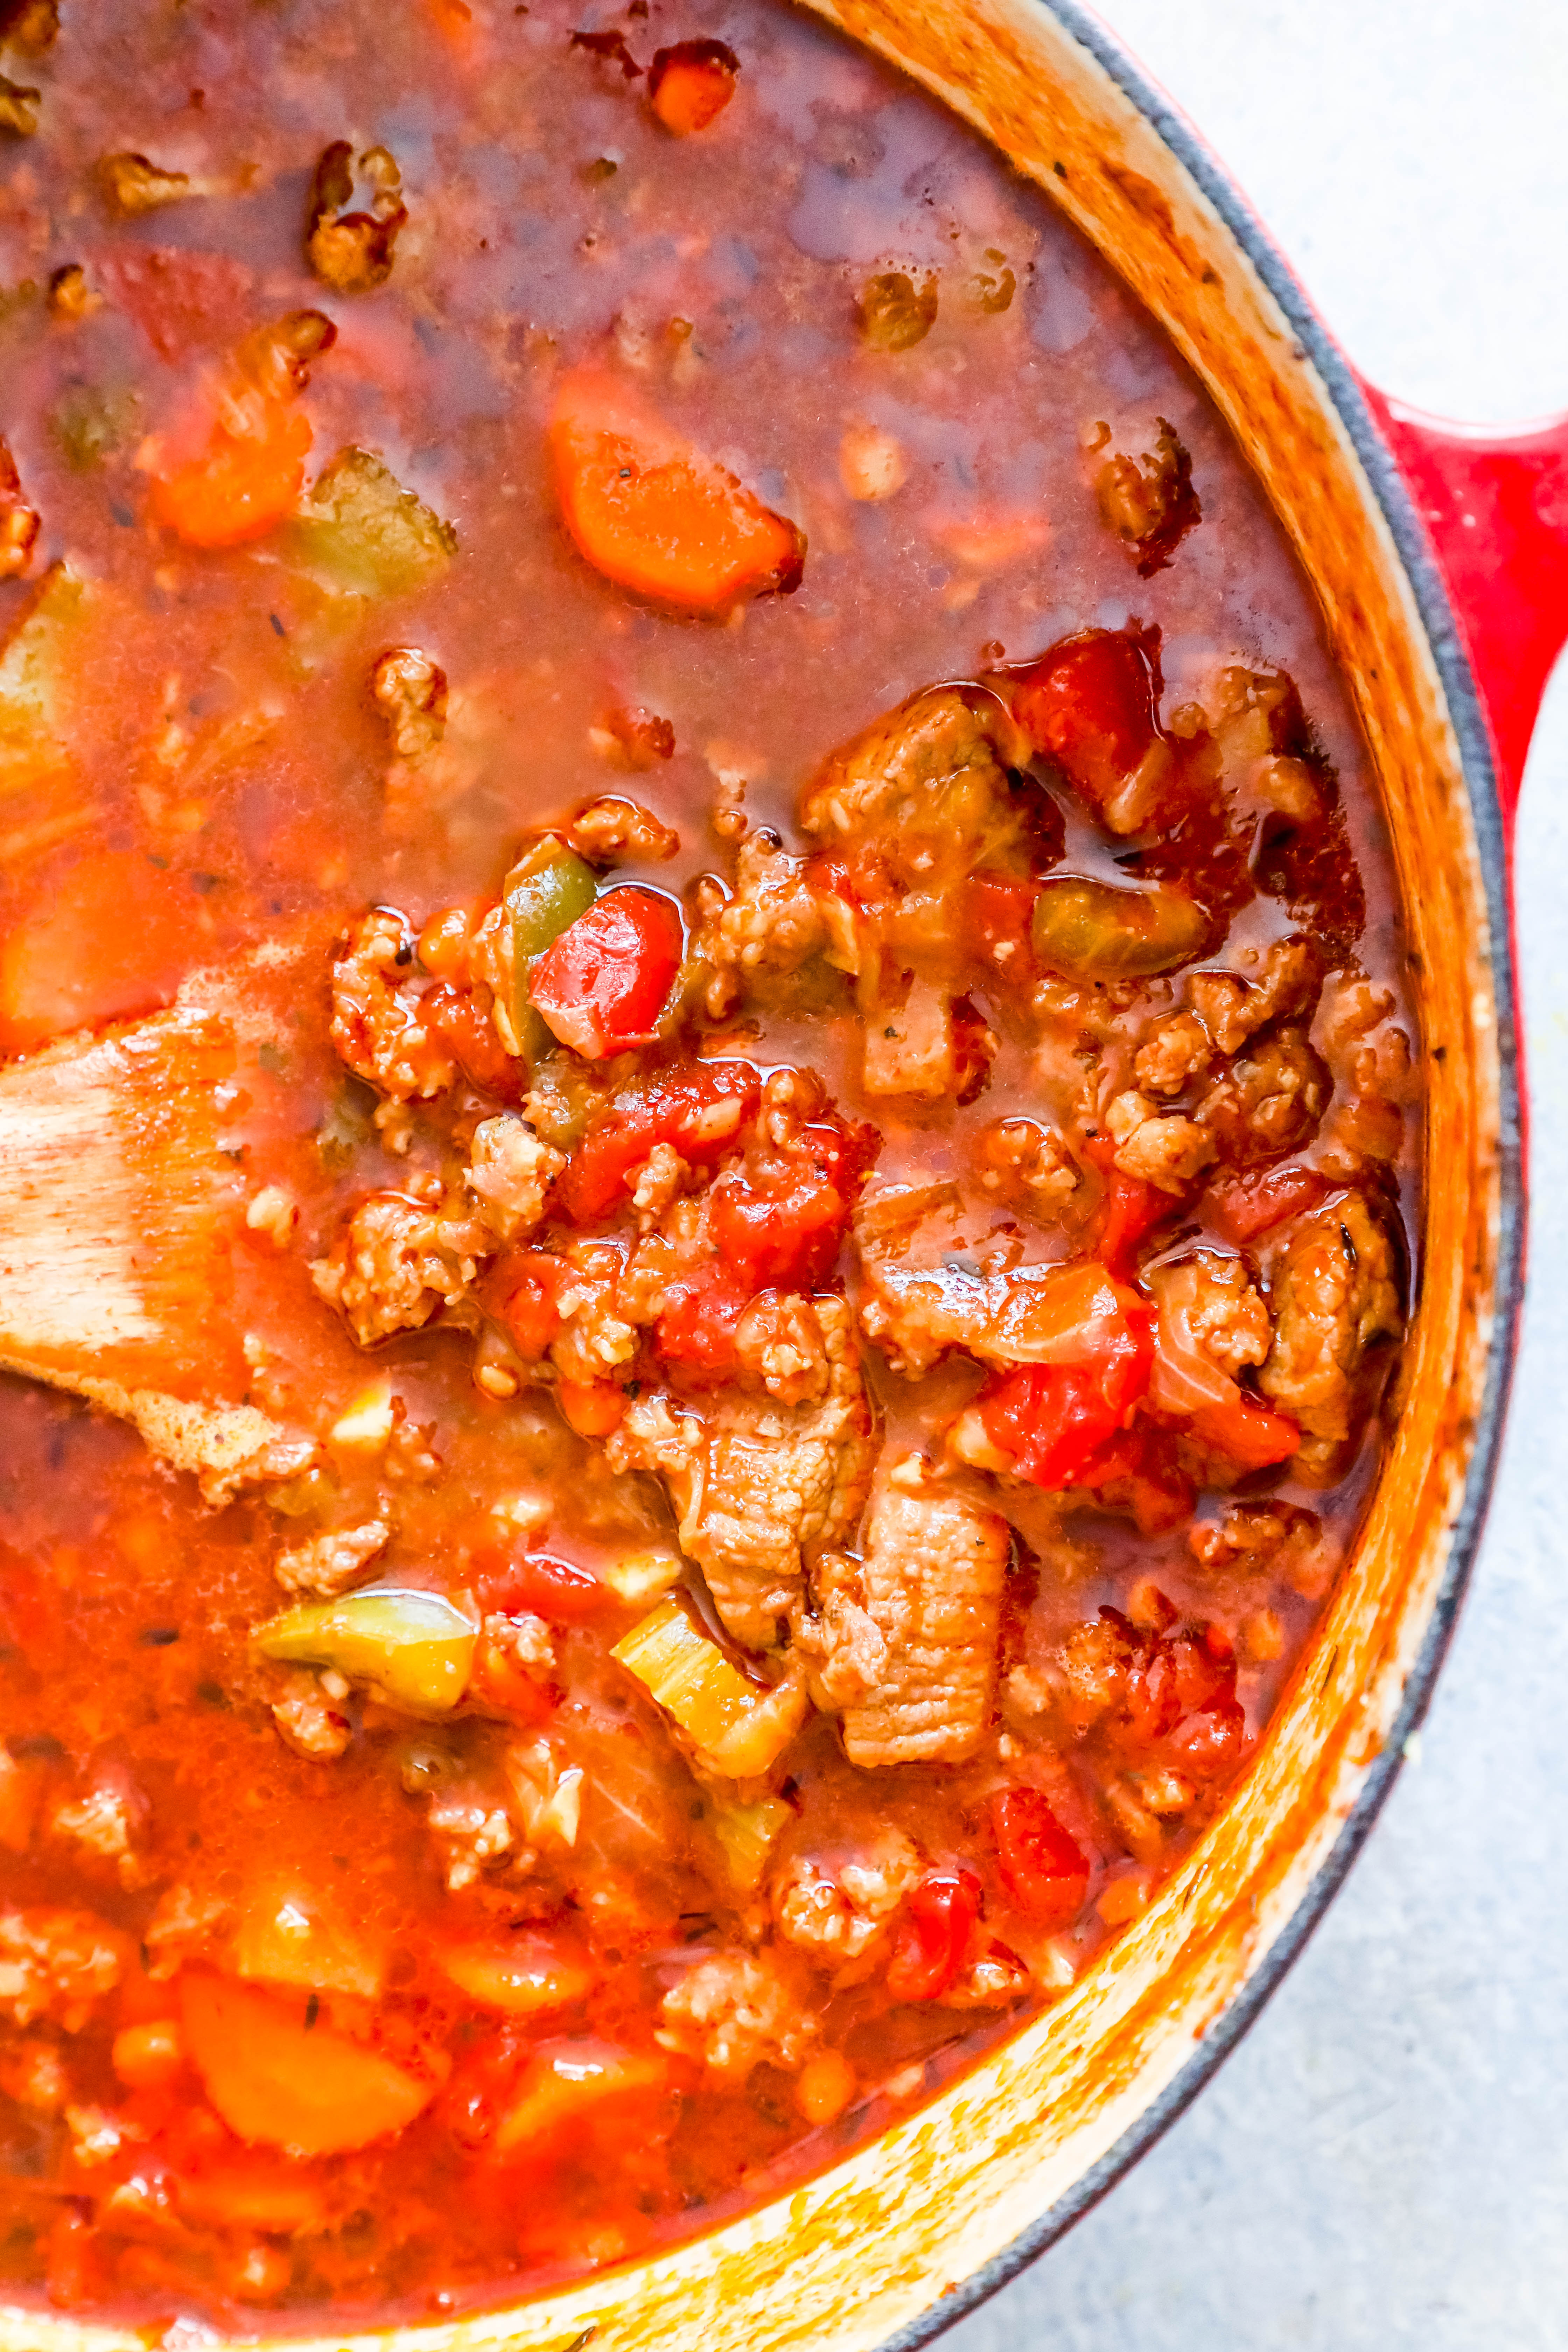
118	1212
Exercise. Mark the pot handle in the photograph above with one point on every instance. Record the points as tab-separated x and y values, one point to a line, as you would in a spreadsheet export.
1496	505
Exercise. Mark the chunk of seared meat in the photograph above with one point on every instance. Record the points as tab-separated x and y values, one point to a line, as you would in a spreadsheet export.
1336	1310
931	1584
760	1487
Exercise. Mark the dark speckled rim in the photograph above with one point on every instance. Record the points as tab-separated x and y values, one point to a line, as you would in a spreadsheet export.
1443	635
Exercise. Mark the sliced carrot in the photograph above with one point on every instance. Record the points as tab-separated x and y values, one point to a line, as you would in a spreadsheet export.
244	482
654	514
117	938
690	85
276	2077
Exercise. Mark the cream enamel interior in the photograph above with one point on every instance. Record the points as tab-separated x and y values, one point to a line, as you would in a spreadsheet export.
861	2252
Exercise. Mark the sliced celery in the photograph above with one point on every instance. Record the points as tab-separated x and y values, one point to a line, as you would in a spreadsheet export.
738	1726
747	1834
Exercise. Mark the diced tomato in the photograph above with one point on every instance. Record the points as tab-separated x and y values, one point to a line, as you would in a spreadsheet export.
1043	1869
1055	1420
935	1935
700	1113
534	1584
1001	909
1129	1210
528	1287
785	1232
469	1035
1209	1744
690	85
1090	705
602	984
1243	1206
696	1332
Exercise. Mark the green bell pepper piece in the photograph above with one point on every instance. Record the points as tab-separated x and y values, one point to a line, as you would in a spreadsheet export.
1094	930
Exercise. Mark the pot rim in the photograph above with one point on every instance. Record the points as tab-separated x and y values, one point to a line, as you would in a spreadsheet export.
1440	626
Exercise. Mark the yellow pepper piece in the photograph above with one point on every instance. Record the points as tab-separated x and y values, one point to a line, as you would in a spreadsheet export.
413	1648
739	1727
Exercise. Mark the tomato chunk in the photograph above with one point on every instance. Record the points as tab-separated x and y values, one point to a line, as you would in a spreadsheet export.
535	1584
935	1935
696	1333
656	515
1245	1205
690	85
1056	1418
700	1113
1089	705
528	1287
602	984
785	1235
1043	1869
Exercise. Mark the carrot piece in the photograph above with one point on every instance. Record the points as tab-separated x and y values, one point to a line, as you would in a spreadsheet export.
247	479
276	2078
116	938
654	514
690	85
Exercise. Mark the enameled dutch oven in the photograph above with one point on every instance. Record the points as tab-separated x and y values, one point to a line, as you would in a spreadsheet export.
1440	557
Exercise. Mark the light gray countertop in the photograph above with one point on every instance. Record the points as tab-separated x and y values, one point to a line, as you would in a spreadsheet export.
1382	2166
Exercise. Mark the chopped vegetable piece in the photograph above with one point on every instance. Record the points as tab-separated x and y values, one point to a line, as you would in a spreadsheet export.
602	985
573	2084
690	85
244	482
739	1727
1098	930
276	2076
747	1834
1053	1417
1089	704
414	1648
654	514
935	1935
117	938
700	1113
37	669
524	1976
286	1937
1042	1868
545	893
557	1590
1245	1205
361	533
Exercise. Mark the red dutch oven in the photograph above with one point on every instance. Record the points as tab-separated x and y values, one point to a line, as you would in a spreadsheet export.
1439	558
